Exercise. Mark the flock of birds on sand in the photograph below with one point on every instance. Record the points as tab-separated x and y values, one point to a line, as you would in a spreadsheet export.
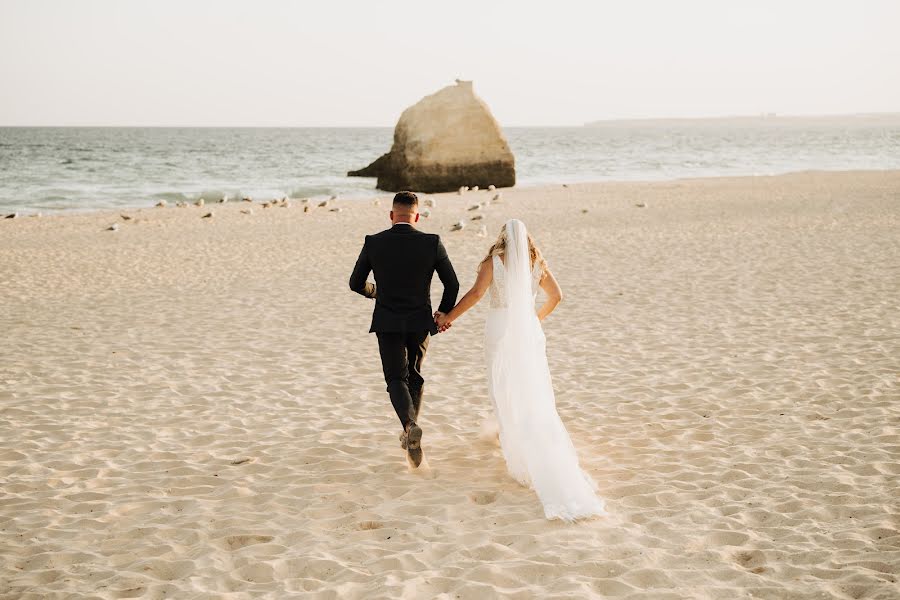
309	205
430	204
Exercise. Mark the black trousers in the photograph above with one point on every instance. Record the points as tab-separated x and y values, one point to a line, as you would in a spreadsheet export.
402	355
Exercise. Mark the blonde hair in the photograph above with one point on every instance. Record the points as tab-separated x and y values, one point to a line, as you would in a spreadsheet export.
499	249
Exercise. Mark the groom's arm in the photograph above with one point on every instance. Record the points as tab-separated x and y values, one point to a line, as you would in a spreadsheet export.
358	279
445	271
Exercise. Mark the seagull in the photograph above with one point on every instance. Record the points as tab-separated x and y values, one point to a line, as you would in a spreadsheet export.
457	226
207	215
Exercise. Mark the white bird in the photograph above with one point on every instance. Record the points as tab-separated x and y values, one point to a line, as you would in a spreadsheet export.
161	204
458	226
492	187
113	227
425	213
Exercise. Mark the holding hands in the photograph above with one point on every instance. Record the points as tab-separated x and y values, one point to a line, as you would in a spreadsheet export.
442	321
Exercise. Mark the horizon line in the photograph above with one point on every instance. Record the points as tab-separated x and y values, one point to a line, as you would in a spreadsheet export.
760	116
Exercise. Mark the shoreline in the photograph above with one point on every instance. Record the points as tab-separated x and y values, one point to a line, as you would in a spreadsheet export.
385	196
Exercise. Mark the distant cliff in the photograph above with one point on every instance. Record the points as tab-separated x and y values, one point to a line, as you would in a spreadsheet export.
889	119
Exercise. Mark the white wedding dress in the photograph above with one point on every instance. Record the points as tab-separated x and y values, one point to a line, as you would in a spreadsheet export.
537	448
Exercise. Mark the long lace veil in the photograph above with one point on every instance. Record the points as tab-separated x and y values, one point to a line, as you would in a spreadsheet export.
535	443
520	370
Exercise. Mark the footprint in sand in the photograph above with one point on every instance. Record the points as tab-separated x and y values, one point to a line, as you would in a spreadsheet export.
236	542
369	525
752	560
483	497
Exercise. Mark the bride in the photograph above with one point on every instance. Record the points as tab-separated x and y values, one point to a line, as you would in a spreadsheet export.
535	443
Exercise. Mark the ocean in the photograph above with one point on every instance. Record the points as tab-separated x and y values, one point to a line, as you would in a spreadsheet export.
49	169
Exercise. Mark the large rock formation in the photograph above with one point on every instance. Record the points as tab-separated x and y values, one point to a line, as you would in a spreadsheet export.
446	140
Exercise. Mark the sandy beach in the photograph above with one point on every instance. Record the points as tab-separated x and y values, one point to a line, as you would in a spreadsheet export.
191	407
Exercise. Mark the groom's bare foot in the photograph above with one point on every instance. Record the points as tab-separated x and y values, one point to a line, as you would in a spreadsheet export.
414	444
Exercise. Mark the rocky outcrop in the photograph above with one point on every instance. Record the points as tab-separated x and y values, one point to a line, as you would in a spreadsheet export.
446	140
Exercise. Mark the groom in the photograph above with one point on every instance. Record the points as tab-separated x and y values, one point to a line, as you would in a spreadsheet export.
404	260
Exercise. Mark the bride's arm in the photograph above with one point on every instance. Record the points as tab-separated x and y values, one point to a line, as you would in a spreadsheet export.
481	285
554	294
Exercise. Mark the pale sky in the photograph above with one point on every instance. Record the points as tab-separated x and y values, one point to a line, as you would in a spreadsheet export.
360	63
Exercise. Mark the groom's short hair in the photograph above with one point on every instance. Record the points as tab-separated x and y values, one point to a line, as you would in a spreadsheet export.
406	199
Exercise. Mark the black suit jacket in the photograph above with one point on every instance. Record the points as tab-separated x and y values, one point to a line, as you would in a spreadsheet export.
404	260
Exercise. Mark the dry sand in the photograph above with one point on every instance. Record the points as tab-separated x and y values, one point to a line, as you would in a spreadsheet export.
192	408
